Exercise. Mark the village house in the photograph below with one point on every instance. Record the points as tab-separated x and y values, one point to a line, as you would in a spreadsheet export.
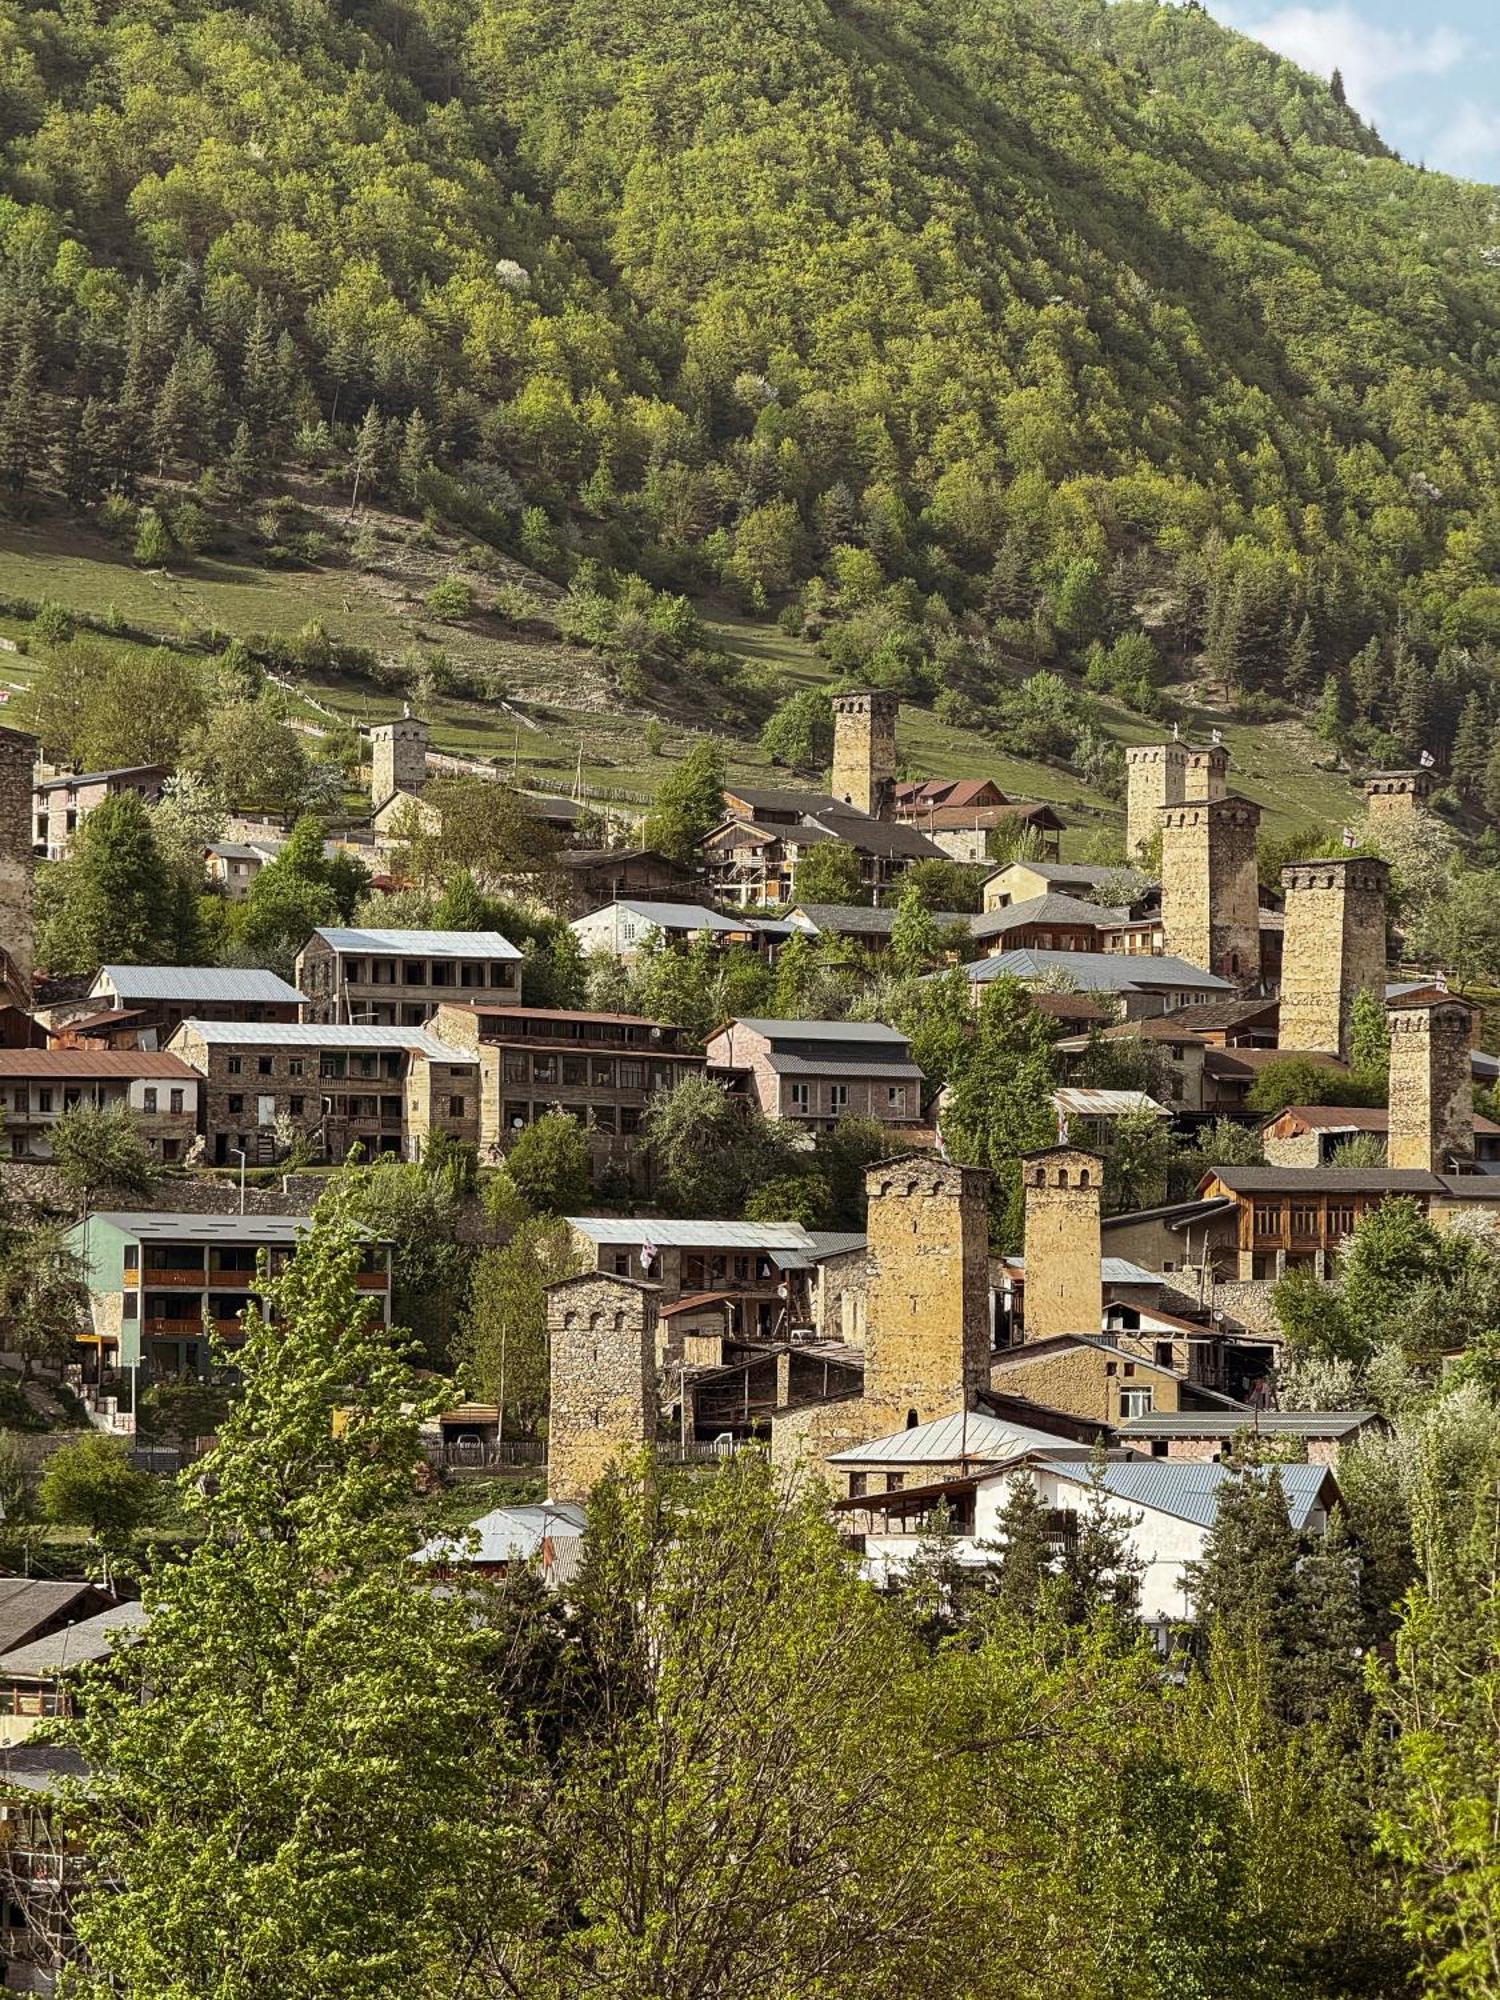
36	1674
232	866
595	875
961	814
163	1285
39	1086
602	1068
623	929
763	1270
816	1072
1023	881
391	978
870	928
1164	1509
385	1090
1050	922
1140	986
139	1006
1291	1218
61	804
753	863
1310	1135
1318	1436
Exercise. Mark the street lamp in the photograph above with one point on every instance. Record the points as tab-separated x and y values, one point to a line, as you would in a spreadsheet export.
239	1154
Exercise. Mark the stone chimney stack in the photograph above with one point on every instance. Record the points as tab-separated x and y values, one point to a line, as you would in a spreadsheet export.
1207	775
1396	797
1333	949
1064	1294
864	750
927	1335
398	758
602	1334
1210	890
1155	776
17	758
1431	1084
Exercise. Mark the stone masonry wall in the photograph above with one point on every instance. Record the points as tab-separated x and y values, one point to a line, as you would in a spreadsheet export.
864	750
602	1332
17	753
927	1335
1210	891
1207	773
398	758
1333	949
1431	1086
1063	1292
1155	776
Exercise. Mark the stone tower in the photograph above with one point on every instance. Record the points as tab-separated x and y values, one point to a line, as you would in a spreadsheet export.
602	1334
1155	776
1432	1085
1063	1188
864	750
17	756
1207	775
1396	795
1333	949
398	758
1210	892
927	1333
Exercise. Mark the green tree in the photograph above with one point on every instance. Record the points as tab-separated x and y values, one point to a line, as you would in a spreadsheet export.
319	1745
1139	1152
550	1165
709	1152
689	803
999	1103
1027	1549
471	826
292	896
153	544
249	757
1369	1040
800	732
1246	1578
416	1212
44	1297
831	872
91	1483
114	900
94	1150
503	1341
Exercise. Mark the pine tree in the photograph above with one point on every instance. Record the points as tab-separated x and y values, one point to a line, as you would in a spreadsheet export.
242	467
1246	1578
1491	795
1369	682
368	456
1103	1570
1027	1548
1332	709
1471	748
1302	662
1411	709
21	438
1329	1630
258	386
416	455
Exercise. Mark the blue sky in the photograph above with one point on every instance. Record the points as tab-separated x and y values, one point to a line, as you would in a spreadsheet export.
1426	73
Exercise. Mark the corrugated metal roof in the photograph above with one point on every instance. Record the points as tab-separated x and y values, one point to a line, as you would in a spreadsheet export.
162	1225
1099	971
90	1639
834	1061
29	1601
1327	1180
1054	872
823	1031
671	916
1112	1271
507	1534
837	1242
1187	1489
422	944
948	1441
195	982
1055	907
672	1233
86	1064
858	919
1081	1103
329	1035
72	778
1272	1423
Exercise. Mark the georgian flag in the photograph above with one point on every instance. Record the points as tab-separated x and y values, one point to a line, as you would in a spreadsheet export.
1062	1128
648	1254
1348	836
1427	760
1216	735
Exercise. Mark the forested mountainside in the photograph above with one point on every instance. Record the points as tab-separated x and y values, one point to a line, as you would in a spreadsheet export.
1072	316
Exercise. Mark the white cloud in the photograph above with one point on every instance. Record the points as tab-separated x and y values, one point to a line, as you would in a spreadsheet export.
1467	143
1368	56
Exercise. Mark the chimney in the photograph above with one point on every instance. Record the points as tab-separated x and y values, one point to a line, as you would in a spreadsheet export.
927	1333
1431	1084
1333	949
1064	1294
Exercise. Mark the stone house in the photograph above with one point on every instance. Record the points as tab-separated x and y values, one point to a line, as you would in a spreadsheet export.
38	1086
753	862
603	1068
1140	986
815	1072
1050	922
1208	1435
595	875
385	1090
61	804
960	814
1308	1135
396	978
621	929
762	1268
152	1001
1024	881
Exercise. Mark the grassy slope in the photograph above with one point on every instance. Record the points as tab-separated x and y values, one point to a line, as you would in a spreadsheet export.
560	701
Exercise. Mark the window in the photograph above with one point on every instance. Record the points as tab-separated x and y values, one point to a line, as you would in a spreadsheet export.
544	1069
456	1106
20	1098
1268	1218
236	1104
294	1067
44	1100
895	1097
859	1485
148	1098
1304	1218
175	1101
632	1076
801	1097
233	1066
838	1097
296	1106
1164	1353
602	1117
575	1070
1340	1219
1135	1403
264	1065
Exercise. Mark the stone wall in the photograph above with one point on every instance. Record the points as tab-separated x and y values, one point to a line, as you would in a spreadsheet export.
398	758
1155	776
802	1440
1333	949
42	1187
17	754
1063	1294
1210	889
1248	1302
927	1333
1431	1086
864	750
604	1404
1207	773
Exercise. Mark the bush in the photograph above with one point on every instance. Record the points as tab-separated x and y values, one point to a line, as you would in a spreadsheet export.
450	600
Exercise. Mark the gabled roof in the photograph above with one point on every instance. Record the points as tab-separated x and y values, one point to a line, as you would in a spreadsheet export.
1112	1271
327	1035
769	799
27	1602
823	1031
1352	1118
1052	908
506	1534
58	1065
1098	971
1076	1101
948	1441
1188	1489
201	983
420	944
154	1225
855	919
1330	1180
90	1639
1059	874
1204	1015
674	1233
1270	1423
878	836
671	916
71	778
